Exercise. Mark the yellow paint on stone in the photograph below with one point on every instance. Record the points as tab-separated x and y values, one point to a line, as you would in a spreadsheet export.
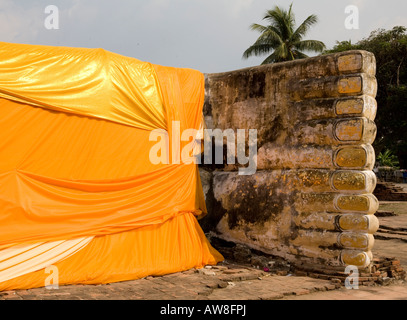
355	222
355	258
354	203
348	180
349	130
350	85
356	240
350	63
338	207
349	106
310	178
351	157
316	199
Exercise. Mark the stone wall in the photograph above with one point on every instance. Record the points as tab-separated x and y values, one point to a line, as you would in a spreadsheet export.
311	199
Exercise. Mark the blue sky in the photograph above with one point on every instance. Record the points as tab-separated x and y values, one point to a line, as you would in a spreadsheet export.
207	35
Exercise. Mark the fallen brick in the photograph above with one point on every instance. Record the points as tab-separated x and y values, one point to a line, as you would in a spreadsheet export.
336	280
301	292
330	287
271	296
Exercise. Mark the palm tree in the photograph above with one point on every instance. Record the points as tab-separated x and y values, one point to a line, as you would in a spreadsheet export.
282	39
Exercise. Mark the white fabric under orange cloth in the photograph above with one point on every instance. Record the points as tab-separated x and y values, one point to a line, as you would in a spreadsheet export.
22	259
74	166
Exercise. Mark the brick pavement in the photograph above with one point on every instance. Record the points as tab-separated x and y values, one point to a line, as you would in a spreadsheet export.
396	291
216	283
233	282
223	282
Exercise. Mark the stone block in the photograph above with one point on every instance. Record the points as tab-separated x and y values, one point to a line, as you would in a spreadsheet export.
310	199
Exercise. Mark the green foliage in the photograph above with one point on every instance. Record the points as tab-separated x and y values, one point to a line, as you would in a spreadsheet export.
388	159
341	46
280	40
390	50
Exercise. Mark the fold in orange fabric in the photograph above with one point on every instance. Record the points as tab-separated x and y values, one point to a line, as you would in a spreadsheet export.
176	245
74	161
92	82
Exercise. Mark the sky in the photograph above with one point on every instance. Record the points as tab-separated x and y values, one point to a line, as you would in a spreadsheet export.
206	35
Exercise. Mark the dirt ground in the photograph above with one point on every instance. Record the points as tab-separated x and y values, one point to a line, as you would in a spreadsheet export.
391	238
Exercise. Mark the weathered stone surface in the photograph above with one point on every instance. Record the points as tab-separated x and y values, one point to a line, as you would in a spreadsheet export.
311	197
314	157
361	106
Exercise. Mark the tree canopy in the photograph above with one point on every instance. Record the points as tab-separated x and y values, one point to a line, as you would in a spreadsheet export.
390	50
280	40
